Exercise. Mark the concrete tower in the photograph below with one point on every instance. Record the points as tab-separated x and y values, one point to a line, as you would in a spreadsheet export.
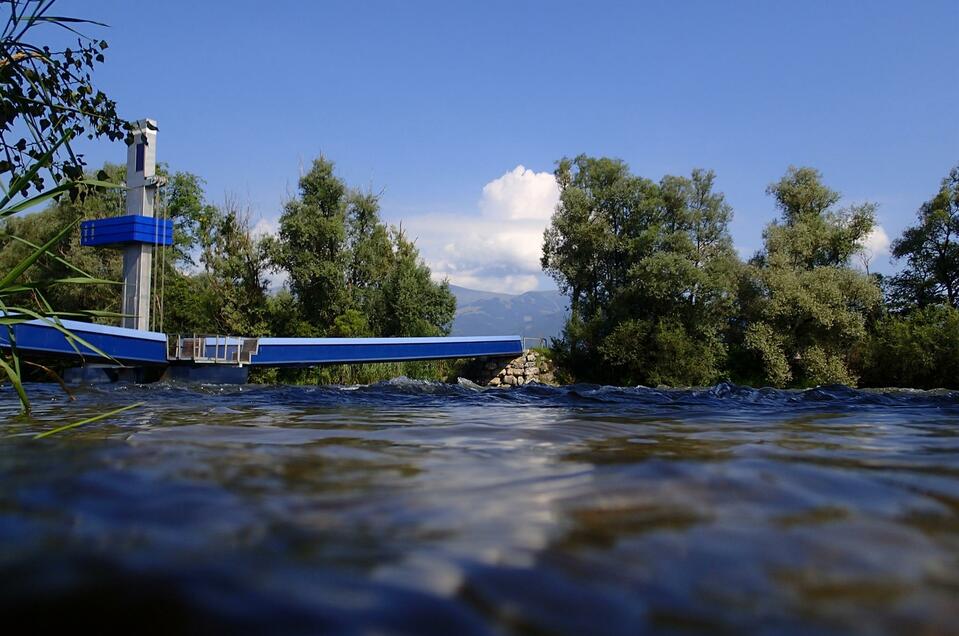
137	232
141	198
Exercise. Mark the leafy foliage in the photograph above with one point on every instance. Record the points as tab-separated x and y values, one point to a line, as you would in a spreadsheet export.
804	307
47	97
649	269
931	250
918	350
348	273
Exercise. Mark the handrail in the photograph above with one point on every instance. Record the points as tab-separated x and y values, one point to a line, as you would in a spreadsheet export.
540	342
225	349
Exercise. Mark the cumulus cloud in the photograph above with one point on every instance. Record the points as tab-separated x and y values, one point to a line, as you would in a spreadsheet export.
495	247
877	241
520	194
499	248
264	227
874	245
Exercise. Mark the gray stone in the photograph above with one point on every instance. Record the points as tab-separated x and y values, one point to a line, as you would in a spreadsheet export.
531	356
520	381
495	382
510	380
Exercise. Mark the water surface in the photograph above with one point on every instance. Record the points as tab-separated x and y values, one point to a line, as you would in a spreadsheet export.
411	507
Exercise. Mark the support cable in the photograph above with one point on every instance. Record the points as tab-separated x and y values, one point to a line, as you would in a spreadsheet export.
156	245
162	267
159	270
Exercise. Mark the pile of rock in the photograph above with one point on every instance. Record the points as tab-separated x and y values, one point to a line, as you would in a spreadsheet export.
523	370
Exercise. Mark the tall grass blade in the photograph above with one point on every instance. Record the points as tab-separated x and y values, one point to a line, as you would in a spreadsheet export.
71	337
25	264
17	184
95	418
17	384
62	261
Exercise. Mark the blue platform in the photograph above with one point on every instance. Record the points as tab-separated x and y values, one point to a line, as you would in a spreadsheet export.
307	352
147	348
129	346
278	352
126	230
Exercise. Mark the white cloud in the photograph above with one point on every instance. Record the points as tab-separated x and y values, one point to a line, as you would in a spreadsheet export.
264	227
874	244
877	241
498	249
520	194
495	247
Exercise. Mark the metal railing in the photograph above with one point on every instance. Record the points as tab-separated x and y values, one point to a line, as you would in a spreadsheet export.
212	349
540	342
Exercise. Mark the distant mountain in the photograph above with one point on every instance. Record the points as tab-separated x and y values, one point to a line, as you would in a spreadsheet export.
535	314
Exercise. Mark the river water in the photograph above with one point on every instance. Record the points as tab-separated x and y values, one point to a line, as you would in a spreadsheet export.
418	508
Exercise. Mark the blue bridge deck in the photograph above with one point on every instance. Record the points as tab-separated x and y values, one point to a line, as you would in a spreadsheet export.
274	352
128	346
144	348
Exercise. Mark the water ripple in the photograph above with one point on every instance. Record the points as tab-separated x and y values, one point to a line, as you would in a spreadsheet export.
418	507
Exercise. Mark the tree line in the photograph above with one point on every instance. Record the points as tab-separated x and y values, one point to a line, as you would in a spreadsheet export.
658	294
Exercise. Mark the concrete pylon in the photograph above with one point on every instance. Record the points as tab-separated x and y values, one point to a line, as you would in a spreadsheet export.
141	198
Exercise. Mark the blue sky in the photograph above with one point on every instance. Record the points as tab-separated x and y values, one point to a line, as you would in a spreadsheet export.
437	104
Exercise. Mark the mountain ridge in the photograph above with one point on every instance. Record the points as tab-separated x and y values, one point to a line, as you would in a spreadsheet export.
532	314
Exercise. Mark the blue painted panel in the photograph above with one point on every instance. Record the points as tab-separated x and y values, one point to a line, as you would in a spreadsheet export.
124	230
385	341
125	345
306	351
133	346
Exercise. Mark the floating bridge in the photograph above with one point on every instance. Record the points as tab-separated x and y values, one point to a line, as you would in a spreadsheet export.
137	234
133	347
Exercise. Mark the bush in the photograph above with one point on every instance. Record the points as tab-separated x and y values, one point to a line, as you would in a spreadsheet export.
919	350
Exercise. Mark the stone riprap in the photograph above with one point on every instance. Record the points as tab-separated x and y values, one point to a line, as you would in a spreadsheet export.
528	368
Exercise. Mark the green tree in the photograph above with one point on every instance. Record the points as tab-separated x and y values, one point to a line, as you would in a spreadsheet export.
413	305
349	275
228	294
370	261
238	271
931	250
804	308
312	245
650	272
919	349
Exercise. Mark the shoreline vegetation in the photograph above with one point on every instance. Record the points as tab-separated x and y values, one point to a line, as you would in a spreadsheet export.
658	295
